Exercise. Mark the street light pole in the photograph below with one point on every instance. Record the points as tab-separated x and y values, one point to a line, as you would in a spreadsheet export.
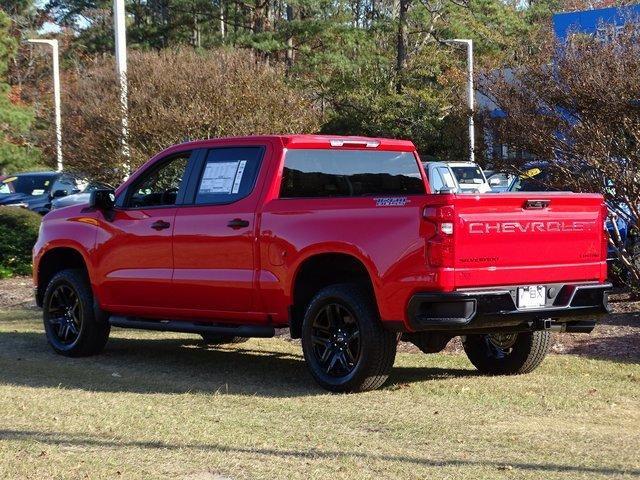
56	95
120	31
470	93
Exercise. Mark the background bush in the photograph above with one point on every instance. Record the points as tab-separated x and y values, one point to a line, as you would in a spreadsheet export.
175	95
18	233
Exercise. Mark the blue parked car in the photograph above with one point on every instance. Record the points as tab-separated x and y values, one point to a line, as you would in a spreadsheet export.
37	190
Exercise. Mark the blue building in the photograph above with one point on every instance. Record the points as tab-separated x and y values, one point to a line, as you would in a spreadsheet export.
602	23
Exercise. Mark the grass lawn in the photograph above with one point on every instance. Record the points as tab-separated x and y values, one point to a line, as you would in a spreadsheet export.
162	406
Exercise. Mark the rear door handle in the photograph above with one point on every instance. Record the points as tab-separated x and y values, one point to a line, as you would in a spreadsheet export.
160	225
237	223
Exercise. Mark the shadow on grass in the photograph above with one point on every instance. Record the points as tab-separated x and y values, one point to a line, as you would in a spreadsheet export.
66	439
631	319
616	338
174	366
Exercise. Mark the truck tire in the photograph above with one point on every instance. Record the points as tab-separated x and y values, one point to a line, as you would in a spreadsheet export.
507	354
72	325
343	341
220	339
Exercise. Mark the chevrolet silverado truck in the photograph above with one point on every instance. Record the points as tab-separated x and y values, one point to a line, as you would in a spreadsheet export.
337	239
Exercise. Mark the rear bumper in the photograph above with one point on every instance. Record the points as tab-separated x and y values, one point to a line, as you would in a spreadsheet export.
495	308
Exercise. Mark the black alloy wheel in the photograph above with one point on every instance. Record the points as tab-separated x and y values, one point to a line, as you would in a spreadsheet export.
507	353
336	340
74	324
344	342
64	314
499	345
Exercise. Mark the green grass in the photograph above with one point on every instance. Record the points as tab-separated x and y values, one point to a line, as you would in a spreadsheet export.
162	406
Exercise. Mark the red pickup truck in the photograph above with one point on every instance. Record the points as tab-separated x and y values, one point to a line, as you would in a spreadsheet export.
338	239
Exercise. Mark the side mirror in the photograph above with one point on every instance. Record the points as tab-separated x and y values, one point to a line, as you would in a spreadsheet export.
60	193
104	200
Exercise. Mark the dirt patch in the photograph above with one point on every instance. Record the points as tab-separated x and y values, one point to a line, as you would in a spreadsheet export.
617	337
17	291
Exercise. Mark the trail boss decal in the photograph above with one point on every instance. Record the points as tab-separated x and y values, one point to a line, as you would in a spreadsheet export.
391	201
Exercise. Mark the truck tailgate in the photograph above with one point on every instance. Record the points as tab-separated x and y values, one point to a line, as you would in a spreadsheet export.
528	238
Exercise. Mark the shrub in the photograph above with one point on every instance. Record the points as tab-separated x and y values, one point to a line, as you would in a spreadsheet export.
176	95
18	233
575	104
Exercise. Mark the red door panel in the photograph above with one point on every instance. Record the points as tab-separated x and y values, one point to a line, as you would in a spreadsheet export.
214	266
135	259
215	239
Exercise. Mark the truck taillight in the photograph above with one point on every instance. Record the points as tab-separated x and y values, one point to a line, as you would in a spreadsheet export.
440	251
604	252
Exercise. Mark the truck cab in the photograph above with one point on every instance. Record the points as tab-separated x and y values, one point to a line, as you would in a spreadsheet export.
339	239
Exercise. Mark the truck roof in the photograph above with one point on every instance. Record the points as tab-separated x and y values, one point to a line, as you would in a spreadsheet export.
315	141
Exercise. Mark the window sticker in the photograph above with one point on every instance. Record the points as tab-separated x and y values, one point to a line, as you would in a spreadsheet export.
37	191
218	177
239	173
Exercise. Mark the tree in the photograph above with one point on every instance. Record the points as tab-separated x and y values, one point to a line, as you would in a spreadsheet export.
577	105
375	67
176	95
16	152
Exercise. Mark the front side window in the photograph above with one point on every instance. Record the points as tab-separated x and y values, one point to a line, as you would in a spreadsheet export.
160	185
349	173
228	174
66	184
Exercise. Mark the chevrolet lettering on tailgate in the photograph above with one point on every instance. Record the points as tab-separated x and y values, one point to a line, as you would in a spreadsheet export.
524	227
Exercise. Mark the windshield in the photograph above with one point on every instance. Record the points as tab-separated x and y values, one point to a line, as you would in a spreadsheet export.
93	186
468	174
26	184
534	180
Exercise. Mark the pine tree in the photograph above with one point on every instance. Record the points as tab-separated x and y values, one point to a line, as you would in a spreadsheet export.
15	119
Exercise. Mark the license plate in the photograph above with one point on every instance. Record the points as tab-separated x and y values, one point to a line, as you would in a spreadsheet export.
532	296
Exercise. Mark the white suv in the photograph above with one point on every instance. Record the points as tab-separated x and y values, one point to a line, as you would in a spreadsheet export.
470	177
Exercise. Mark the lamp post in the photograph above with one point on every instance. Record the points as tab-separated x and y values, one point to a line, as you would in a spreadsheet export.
56	95
470	92
120	32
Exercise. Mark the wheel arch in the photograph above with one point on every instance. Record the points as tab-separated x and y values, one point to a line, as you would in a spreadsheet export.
54	260
320	269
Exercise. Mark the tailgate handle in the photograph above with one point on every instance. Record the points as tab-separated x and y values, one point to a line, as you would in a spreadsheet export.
536	204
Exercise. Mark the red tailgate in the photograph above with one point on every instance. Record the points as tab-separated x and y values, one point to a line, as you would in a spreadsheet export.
527	238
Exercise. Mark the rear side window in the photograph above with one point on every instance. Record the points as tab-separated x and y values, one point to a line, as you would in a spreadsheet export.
349	173
228	174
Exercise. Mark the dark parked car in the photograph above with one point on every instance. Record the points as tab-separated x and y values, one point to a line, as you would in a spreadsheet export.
36	190
81	197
